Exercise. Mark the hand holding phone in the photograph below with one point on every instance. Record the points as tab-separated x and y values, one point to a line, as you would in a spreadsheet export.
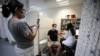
38	21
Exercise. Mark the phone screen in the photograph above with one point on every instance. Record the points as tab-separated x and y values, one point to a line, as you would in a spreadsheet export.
38	21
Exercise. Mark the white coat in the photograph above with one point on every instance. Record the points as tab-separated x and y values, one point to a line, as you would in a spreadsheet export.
69	39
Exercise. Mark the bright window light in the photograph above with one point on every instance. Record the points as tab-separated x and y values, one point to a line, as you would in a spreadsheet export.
58	0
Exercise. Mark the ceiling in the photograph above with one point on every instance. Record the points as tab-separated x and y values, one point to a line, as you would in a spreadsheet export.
46	4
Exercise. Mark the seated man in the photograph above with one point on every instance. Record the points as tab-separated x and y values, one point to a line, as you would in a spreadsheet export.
53	39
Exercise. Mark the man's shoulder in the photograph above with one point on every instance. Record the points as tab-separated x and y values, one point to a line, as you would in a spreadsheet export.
49	31
56	30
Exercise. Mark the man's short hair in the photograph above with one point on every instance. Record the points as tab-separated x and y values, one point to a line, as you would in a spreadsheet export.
54	24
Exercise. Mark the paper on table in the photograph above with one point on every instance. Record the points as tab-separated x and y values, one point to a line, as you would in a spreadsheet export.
43	41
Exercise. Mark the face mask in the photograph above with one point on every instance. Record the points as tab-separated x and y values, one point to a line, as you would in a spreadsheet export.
22	15
54	28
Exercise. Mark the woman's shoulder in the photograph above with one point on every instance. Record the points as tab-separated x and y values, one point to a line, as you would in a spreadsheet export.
21	22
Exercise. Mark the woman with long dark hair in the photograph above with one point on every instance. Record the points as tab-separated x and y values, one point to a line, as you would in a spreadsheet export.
19	29
69	35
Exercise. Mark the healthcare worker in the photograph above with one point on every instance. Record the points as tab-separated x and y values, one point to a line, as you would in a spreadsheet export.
19	29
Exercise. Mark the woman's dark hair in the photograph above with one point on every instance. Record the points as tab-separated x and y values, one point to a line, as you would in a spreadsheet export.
11	7
71	28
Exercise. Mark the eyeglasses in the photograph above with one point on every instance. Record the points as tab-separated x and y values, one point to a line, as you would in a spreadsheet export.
24	11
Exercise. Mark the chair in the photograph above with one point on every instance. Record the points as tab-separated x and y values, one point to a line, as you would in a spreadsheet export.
54	49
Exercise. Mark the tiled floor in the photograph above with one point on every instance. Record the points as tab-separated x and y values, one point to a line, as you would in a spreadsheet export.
6	49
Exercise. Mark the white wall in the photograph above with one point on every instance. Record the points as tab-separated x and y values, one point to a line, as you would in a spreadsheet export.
61	12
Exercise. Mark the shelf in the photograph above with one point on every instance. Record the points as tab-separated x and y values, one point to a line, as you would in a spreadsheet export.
75	22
